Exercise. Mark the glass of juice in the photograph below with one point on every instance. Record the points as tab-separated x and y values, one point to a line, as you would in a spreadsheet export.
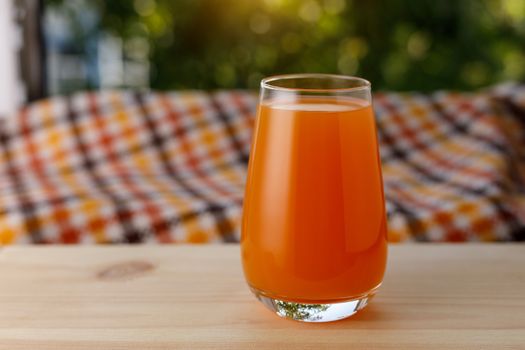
313	240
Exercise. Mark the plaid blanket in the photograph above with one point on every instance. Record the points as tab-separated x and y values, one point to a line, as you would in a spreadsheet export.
128	167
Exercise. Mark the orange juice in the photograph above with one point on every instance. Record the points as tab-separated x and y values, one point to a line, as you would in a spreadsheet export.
314	226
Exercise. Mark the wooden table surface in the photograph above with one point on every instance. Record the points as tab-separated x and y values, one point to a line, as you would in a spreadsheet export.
194	297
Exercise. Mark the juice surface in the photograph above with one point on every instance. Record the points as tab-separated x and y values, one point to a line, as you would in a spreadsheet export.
314	226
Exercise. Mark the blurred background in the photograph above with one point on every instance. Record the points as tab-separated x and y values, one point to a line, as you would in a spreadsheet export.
66	46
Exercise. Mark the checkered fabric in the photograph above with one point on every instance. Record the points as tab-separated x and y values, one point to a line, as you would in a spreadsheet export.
129	167
454	164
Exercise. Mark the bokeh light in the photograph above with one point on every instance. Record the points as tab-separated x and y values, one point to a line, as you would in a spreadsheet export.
212	44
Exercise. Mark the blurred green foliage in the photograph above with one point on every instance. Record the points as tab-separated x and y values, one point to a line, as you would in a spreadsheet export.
397	44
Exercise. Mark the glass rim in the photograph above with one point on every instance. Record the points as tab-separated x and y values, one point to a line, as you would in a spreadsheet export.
266	82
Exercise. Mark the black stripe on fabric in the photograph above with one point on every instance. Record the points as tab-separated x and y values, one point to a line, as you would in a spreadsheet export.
137	148
457	128
514	108
41	203
412	221
32	223
516	153
518	112
223	224
517	229
172	222
518	234
427	175
463	128
122	213
224	118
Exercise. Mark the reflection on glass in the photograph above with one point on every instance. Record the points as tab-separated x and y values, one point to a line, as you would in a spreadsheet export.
301	312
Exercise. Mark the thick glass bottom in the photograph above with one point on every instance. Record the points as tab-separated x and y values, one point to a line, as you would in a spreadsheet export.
325	312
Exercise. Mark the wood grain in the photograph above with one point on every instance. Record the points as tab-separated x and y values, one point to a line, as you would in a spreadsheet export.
194	297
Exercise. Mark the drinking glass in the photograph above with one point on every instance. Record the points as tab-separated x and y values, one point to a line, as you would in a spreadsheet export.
313	241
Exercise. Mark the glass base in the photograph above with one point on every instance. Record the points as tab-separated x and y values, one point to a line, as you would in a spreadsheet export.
314	312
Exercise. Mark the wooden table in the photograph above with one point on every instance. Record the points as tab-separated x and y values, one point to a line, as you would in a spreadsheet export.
194	297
